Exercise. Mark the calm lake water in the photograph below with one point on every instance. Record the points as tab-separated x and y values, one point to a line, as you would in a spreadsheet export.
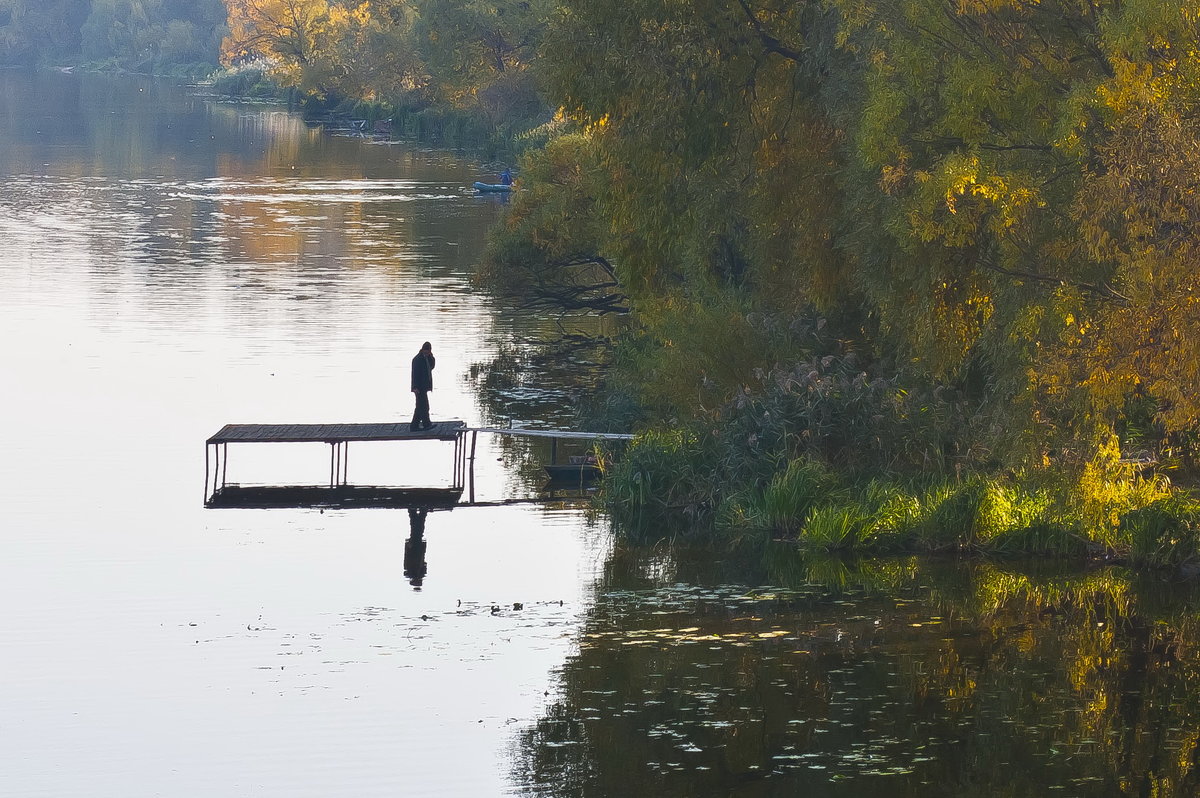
169	264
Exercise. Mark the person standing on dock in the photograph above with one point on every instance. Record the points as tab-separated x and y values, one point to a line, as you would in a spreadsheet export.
422	384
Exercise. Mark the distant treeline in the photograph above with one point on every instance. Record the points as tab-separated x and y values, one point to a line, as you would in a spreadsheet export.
462	62
159	36
455	61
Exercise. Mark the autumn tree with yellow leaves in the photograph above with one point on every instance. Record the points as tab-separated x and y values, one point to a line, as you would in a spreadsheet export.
948	236
473	56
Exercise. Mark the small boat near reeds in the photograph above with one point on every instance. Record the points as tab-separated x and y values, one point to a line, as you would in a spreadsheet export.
577	470
573	472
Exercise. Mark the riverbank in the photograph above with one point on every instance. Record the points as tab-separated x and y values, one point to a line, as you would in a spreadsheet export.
667	486
404	117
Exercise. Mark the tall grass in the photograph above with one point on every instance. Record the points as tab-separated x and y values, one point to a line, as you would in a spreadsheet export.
667	486
783	506
1165	532
662	487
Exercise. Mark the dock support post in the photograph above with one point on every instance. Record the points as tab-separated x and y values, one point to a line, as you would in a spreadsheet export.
206	445
332	462
471	475
345	462
224	463
553	451
457	478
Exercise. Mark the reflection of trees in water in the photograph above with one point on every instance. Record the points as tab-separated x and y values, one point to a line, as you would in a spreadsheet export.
546	382
542	380
906	678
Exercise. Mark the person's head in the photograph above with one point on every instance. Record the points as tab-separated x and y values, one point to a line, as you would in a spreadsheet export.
426	347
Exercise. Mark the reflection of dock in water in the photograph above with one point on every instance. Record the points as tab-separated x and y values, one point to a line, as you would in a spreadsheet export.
348	496
340	493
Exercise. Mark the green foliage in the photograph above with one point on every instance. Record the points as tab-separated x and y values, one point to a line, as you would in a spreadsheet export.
1165	532
950	240
834	528
784	505
448	70
546	251
892	515
39	33
687	484
155	36
159	36
249	80
662	486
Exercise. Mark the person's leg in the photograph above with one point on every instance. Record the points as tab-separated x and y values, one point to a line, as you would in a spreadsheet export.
421	411
422	415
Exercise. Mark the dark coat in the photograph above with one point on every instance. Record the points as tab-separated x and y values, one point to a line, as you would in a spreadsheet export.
422	371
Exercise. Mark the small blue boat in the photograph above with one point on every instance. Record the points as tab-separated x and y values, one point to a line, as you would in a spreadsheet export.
493	187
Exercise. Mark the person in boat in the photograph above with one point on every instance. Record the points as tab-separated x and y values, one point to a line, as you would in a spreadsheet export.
422	384
506	177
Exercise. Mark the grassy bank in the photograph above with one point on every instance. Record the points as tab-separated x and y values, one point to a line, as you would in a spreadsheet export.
673	485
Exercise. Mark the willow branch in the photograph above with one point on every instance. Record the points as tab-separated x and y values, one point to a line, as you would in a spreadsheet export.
769	42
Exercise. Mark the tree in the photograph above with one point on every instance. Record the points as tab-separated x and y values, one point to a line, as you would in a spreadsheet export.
480	54
546	252
287	33
38	31
993	196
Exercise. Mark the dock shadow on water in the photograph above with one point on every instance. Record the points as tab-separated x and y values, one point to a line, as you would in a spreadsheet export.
884	677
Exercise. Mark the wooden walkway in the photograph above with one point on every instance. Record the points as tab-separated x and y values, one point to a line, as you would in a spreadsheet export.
566	435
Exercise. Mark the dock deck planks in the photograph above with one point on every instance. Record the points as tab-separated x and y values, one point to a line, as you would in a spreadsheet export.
333	433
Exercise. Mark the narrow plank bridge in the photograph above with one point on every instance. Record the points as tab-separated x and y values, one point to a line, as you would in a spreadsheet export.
339	491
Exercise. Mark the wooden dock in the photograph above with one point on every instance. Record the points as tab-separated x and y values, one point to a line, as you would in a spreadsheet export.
333	433
339	491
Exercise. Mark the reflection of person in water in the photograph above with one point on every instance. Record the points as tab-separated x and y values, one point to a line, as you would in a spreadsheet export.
414	547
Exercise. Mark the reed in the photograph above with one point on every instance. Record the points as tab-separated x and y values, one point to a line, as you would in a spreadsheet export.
684	484
1165	532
